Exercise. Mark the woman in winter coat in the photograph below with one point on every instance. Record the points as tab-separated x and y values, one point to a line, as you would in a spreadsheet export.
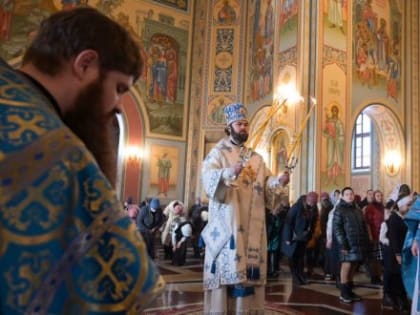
352	238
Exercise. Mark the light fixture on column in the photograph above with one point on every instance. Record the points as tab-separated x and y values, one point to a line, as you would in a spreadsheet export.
392	162
133	154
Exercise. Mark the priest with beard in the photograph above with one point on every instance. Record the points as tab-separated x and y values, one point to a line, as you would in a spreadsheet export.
237	182
67	244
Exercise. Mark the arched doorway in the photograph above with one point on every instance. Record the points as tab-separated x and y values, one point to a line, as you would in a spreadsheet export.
131	136
386	153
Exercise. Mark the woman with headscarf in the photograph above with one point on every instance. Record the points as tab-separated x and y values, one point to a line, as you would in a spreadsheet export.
172	211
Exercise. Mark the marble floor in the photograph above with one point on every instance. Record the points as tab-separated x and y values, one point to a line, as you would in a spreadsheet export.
184	294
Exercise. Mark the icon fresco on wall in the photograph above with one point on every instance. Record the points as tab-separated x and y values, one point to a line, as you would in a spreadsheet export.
261	49
19	21
288	10
335	14
164	166
334	132
177	4
279	144
163	84
223	60
377	49
216	106
164	47
335	24
226	12
6	11
288	28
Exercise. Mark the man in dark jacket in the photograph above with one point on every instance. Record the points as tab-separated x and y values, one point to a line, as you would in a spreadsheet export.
149	221
297	231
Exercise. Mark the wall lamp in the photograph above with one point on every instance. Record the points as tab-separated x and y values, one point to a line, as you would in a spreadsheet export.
133	154
392	162
285	95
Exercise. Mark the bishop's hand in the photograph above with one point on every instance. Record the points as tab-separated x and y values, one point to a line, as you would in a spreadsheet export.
415	248
237	168
284	178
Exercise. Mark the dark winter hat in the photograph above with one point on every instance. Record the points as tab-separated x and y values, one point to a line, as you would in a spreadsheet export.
154	203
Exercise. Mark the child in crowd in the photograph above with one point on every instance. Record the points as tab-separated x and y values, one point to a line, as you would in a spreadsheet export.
133	211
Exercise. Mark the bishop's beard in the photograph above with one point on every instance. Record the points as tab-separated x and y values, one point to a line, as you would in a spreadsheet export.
239	137
88	120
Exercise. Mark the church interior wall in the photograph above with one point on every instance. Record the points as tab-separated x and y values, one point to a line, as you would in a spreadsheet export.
156	110
215	52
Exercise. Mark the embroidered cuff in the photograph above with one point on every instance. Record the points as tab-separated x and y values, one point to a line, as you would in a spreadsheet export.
228	174
273	182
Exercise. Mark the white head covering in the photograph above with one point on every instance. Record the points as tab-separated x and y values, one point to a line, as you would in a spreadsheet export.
170	214
394	193
404	201
169	210
333	198
204	215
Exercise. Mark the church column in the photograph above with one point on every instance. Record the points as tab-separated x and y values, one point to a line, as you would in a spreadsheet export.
307	78
412	88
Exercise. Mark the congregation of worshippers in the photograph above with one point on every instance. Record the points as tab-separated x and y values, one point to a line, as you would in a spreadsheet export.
317	224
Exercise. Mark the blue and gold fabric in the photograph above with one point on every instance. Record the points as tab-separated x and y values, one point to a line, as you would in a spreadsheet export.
66	244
